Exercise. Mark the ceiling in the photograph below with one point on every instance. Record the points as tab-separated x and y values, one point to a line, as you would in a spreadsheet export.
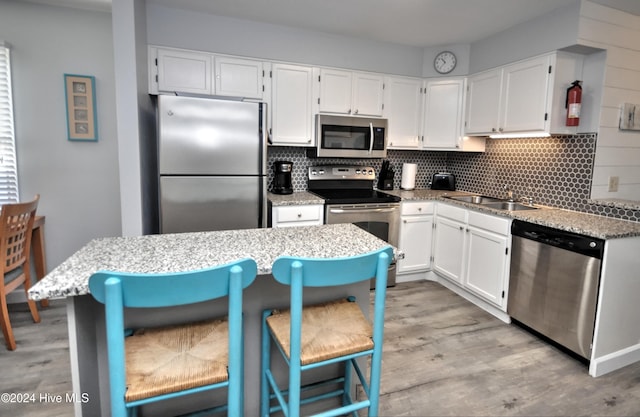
421	23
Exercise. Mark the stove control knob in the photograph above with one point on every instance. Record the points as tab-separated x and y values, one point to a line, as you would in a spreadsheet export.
313	172
321	172
358	171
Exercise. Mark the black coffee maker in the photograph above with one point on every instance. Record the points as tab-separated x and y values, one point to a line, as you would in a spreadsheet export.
282	177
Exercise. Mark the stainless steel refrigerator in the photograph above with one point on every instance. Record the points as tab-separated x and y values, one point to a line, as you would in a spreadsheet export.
212	164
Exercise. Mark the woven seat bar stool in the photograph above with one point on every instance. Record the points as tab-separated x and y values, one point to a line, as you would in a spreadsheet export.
16	223
155	364
330	333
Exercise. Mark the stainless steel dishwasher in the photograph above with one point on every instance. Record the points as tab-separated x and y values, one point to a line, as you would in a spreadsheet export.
553	285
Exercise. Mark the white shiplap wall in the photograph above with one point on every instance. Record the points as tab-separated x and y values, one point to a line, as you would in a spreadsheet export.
618	152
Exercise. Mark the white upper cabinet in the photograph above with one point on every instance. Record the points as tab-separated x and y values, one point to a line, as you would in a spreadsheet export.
349	92
526	96
291	105
443	114
239	77
403	109
368	94
483	102
427	115
181	71
187	72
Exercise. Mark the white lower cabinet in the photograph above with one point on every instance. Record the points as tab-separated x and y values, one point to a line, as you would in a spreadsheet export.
415	236
486	270
449	241
306	215
471	250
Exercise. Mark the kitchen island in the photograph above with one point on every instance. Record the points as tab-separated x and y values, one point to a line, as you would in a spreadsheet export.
188	251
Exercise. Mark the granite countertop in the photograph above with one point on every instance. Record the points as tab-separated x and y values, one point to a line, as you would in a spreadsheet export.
572	221
300	198
189	251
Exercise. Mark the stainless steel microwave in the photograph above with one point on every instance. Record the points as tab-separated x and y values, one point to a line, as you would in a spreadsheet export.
349	137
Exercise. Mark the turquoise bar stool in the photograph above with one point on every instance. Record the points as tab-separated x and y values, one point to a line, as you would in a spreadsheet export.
334	332
155	364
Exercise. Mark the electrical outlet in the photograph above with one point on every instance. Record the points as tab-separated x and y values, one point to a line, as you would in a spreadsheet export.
613	184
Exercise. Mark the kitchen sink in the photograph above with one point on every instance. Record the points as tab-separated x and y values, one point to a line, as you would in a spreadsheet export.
476	199
509	205
493	202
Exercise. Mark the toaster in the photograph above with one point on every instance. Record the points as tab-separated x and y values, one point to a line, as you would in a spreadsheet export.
443	181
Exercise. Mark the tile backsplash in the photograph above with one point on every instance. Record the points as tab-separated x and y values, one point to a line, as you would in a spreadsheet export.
554	171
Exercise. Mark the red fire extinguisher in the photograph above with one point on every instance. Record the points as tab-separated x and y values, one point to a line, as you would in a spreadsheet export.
573	103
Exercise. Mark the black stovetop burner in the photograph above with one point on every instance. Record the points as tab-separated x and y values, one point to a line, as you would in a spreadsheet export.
346	184
355	196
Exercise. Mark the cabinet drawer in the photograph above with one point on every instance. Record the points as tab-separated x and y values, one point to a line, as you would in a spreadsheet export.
452	212
298	213
494	224
416	208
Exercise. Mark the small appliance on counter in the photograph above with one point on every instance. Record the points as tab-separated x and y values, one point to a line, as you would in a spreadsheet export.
385	178
443	181
282	177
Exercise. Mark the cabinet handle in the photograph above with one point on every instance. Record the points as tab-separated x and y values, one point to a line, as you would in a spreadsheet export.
349	111
461	228
419	208
355	112
404	221
299	215
500	129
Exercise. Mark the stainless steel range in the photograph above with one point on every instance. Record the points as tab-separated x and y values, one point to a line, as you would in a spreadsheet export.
350	198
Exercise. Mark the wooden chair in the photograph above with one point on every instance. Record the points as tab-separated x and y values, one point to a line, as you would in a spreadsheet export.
334	332
15	248
156	364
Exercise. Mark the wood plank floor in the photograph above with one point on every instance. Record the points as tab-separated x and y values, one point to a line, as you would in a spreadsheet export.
443	357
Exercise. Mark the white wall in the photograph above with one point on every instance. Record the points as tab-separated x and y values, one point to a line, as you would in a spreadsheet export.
617	151
555	30
77	182
206	32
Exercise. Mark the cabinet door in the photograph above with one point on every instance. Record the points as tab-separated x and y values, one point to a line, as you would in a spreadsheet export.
486	265
368	93
448	248
183	71
524	95
443	114
415	242
291	102
483	102
402	108
335	91
239	77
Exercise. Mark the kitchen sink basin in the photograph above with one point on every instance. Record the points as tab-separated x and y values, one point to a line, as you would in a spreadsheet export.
509	205
476	199
493	202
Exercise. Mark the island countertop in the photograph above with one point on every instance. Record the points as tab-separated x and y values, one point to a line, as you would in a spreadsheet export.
189	251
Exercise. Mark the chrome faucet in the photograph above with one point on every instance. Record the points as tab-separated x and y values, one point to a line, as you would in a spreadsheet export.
509	191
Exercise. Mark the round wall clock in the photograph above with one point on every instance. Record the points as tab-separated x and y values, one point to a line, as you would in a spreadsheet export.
445	62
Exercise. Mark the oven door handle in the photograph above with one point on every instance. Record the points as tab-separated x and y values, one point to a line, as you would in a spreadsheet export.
362	210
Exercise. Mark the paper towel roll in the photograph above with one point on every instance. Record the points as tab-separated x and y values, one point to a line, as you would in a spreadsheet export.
408	176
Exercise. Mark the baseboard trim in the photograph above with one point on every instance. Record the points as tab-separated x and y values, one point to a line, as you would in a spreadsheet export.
614	361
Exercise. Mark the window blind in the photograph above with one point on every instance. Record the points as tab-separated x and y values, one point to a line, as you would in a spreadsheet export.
8	165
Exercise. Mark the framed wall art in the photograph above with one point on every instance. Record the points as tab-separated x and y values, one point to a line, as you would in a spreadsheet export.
630	116
80	93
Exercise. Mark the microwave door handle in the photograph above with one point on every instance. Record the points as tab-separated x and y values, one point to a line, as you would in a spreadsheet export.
371	137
